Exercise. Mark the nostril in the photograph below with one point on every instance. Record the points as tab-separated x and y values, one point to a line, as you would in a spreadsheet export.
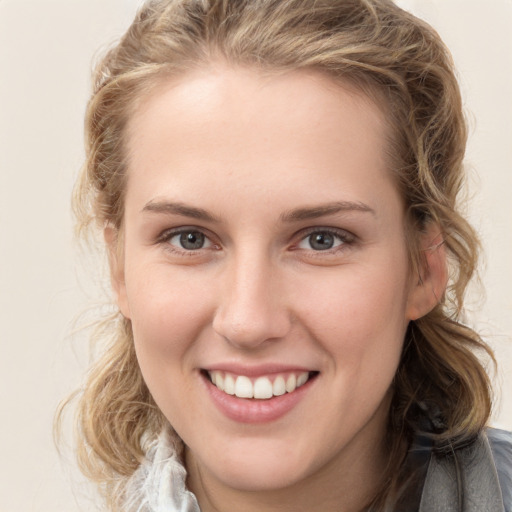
249	313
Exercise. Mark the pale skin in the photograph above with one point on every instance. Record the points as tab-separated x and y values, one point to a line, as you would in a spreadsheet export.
300	259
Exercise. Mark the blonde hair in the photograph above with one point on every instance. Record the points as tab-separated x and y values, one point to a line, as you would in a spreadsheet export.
403	65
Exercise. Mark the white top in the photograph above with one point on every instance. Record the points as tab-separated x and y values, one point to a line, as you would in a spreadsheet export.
158	485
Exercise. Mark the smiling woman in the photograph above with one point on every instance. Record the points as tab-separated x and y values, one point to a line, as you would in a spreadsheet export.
277	187
262	288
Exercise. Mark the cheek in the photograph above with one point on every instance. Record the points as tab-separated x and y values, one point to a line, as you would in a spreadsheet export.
168	313
167	319
356	300
360	320
163	302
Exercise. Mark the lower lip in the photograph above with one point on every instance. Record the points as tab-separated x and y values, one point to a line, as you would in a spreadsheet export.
249	410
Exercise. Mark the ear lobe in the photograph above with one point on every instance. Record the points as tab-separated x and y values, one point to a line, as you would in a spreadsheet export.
430	285
116	265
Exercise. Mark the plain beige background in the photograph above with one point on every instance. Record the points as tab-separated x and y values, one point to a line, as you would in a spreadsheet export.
46	49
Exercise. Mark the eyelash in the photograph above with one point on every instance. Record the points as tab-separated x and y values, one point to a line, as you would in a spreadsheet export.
166	237
345	239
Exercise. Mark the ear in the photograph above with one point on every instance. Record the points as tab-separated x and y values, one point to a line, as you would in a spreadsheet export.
116	264
429	284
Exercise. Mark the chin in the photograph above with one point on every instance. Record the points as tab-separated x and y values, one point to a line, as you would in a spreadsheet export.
261	476
257	465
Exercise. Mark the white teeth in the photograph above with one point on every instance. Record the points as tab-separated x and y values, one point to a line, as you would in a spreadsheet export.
218	380
302	379
279	387
243	387
262	389
291	383
229	385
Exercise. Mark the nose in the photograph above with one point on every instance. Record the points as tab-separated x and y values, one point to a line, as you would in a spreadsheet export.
252	308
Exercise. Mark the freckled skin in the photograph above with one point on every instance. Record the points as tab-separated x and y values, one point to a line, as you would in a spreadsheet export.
248	149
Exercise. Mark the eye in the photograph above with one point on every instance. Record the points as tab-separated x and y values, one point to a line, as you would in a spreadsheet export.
324	240
189	240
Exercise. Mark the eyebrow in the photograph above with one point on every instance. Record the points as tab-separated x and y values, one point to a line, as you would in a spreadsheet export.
172	208
298	214
315	212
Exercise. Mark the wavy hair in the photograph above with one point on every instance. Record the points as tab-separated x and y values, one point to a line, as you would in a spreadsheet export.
394	58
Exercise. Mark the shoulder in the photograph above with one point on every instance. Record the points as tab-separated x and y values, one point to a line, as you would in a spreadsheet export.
476	476
500	442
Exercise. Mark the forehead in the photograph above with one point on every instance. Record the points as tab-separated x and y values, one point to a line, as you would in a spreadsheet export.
235	96
224	122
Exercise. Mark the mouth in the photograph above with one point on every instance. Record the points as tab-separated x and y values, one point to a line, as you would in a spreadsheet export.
263	387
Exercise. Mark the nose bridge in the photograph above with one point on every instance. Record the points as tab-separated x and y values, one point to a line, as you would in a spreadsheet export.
252	308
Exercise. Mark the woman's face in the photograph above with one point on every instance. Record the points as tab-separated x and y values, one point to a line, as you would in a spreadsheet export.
264	249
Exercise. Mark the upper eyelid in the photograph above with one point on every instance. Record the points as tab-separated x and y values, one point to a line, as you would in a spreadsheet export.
170	232
342	233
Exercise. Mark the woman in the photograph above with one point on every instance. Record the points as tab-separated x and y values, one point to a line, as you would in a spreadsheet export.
277	183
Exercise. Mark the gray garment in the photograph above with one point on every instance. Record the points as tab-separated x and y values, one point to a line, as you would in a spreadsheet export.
476	478
501	447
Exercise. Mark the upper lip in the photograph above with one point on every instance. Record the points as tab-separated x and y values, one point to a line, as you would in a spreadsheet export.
252	370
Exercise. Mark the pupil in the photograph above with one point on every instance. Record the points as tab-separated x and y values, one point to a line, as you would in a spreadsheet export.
192	240
321	241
